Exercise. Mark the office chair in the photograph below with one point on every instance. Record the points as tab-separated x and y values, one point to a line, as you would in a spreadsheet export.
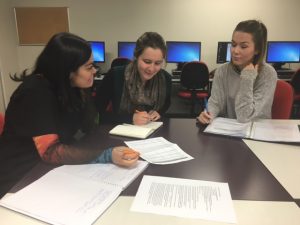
120	61
283	100
295	82
194	79
1	123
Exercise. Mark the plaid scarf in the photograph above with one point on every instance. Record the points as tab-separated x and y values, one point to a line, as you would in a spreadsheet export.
137	96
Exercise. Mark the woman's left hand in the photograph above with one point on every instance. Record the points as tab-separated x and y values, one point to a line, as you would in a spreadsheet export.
154	115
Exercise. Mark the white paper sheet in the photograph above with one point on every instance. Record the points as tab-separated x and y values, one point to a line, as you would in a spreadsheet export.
185	198
159	151
59	198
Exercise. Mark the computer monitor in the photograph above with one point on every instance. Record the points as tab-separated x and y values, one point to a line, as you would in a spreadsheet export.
223	52
126	49
183	51
98	50
281	52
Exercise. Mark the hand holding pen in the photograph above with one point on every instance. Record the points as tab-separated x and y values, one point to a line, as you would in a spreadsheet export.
154	115
205	117
140	118
124	156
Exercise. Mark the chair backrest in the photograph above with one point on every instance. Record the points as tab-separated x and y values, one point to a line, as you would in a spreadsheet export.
1	123
283	100
194	75
120	61
295	82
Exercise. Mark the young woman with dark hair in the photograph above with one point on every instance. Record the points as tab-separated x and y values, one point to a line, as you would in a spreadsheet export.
49	110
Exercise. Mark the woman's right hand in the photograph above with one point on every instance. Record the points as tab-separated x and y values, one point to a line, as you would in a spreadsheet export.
124	156
141	118
251	66
204	117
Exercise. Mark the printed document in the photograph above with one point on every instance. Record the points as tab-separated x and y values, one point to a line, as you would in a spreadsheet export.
159	151
73	194
185	198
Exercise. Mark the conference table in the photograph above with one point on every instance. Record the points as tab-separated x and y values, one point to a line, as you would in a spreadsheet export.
258	196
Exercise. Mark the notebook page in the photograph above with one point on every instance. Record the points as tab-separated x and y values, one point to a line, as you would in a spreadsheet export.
131	131
108	173
64	199
270	130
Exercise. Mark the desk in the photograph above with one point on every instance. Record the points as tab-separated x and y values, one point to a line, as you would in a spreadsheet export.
285	74
99	78
217	158
248	213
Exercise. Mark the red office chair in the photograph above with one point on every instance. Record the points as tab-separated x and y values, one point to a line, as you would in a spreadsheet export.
120	61
295	82
283	100
1	123
194	79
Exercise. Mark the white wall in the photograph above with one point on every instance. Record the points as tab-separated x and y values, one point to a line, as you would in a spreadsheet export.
8	52
208	21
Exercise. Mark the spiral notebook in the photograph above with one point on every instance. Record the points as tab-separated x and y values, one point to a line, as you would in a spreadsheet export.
73	194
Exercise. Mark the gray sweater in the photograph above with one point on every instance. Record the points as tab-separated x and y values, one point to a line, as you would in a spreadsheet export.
245	96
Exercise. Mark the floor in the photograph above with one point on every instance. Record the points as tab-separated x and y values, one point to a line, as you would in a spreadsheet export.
181	107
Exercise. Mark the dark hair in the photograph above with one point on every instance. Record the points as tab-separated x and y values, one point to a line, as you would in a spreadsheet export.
63	54
150	39
259	34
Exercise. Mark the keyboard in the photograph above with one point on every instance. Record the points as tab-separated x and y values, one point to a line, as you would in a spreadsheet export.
175	77
285	74
176	72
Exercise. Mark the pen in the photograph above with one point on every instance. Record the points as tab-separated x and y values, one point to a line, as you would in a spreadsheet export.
205	105
150	114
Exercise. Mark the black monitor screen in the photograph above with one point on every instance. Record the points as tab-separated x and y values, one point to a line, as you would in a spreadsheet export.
178	52
126	49
223	53
283	52
98	50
